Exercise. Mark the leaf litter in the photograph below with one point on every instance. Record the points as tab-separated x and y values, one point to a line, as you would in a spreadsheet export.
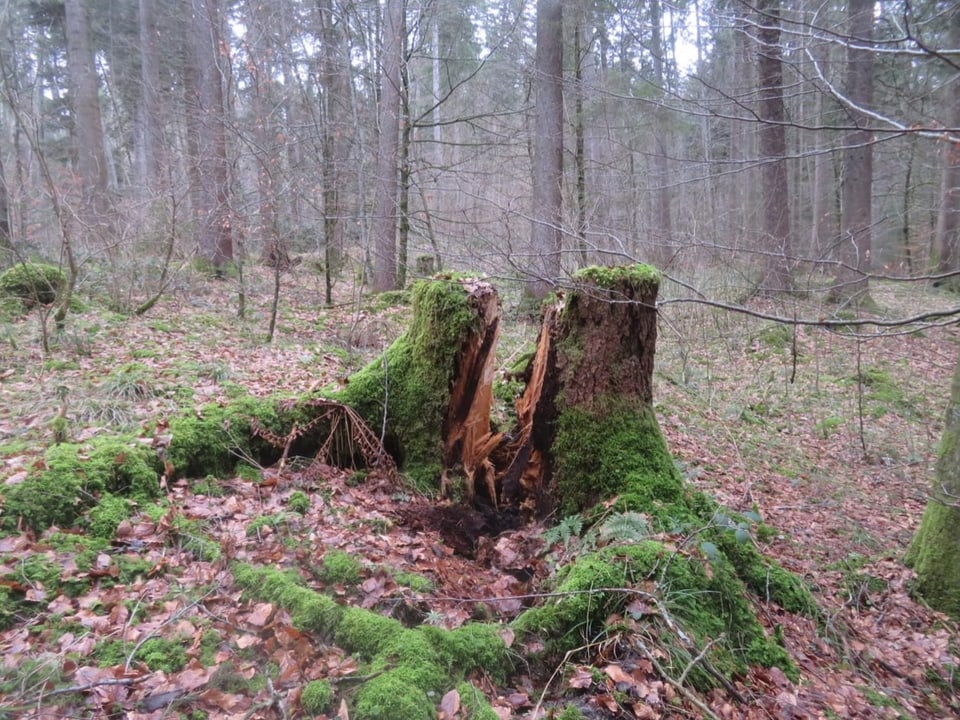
843	497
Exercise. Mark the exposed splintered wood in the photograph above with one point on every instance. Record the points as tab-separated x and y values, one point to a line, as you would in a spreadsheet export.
523	479
467	438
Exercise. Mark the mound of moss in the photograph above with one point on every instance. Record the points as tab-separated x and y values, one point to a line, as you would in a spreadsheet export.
32	283
72	478
407	389
212	440
688	601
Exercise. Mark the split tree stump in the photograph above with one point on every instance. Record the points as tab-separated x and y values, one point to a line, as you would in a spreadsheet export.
585	425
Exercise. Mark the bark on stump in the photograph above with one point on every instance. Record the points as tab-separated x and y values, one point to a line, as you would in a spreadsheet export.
586	427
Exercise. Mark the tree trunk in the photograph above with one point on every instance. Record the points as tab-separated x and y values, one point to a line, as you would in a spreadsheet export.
851	283
215	217
273	248
6	238
333	99
544	267
662	213
933	553
579	155
95	200
385	210
773	152
948	219
151	139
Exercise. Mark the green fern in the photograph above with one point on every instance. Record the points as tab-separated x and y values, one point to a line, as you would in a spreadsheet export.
562	532
625	527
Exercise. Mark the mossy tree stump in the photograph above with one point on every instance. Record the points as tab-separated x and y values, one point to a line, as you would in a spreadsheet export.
585	425
429	395
586	417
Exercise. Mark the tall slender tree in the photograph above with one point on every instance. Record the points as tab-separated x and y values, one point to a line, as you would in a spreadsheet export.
6	238
856	220
773	150
948	219
546	238
663	201
95	202
149	116
387	184
214	215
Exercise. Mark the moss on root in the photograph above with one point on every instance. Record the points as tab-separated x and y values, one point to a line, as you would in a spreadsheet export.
309	611
209	441
704	597
366	633
72	477
617	444
408	388
411	668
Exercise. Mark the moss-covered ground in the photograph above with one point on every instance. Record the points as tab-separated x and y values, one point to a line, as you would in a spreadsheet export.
154	572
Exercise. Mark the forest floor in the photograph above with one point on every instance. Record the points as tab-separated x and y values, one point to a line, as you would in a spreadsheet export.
830	437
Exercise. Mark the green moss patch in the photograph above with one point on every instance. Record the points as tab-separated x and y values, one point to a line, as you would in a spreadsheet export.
32	283
340	567
638	276
210	441
72	477
390	697
105	517
316	697
299	503
619	446
156	653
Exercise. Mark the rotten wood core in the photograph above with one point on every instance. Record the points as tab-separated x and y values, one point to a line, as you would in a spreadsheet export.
599	344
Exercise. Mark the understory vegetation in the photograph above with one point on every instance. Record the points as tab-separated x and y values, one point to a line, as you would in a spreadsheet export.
168	547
